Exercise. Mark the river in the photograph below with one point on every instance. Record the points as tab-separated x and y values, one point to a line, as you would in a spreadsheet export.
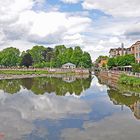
68	108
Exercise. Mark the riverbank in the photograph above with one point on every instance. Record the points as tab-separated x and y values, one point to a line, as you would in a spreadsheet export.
117	77
31	73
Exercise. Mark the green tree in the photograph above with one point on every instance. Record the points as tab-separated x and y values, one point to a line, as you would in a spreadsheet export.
76	56
37	53
27	60
10	57
136	67
85	61
111	62
121	61
59	55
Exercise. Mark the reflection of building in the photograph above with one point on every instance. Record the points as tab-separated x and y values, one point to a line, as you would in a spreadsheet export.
69	66
69	79
136	109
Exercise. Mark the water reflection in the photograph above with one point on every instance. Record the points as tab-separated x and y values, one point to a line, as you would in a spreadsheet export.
123	95
21	112
38	112
60	86
130	100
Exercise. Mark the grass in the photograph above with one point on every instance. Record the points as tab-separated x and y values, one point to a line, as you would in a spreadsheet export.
23	72
129	80
30	72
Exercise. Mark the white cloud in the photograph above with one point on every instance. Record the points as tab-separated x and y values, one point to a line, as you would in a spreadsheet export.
118	126
121	8
22	24
25	107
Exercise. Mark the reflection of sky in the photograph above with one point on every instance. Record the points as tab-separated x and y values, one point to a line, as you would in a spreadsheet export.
28	116
119	126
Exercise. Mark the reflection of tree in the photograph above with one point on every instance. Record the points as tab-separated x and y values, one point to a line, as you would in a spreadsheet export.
10	86
130	100
60	87
127	88
27	83
122	98
47	84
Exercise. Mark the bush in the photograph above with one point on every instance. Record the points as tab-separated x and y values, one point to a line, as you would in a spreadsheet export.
136	67
129	80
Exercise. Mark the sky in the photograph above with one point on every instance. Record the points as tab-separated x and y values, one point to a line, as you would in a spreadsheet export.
94	25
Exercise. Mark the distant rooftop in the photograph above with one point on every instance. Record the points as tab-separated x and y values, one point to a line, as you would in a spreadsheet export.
70	64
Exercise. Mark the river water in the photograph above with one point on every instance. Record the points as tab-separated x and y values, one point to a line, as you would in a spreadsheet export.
68	108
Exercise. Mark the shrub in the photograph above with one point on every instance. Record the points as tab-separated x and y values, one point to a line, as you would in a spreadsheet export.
129	80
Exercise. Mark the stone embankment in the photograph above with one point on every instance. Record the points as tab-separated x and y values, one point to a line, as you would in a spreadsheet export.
109	77
112	77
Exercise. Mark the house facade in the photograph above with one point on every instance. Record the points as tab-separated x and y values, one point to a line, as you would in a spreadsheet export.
119	52
135	50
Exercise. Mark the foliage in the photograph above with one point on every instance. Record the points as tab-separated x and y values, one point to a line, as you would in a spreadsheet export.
41	57
111	62
37	53
10	57
129	80
26	60
136	67
121	61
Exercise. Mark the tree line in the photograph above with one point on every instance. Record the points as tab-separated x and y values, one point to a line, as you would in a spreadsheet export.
125	60
40	56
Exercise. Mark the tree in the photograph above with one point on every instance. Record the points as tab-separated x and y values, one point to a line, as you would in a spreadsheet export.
136	67
121	61
76	56
10	57
59	55
85	61
39	56
37	53
111	63
27	60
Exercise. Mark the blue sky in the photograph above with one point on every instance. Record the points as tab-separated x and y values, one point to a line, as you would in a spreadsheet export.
94	25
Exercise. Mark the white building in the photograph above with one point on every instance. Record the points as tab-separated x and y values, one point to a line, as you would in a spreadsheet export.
69	66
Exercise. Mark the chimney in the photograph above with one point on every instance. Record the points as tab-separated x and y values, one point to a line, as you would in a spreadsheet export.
122	47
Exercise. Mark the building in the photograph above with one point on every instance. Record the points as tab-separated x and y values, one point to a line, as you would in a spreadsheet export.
135	49
103	63
115	52
69	66
119	51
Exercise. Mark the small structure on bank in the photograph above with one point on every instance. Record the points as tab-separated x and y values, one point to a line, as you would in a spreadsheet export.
69	66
